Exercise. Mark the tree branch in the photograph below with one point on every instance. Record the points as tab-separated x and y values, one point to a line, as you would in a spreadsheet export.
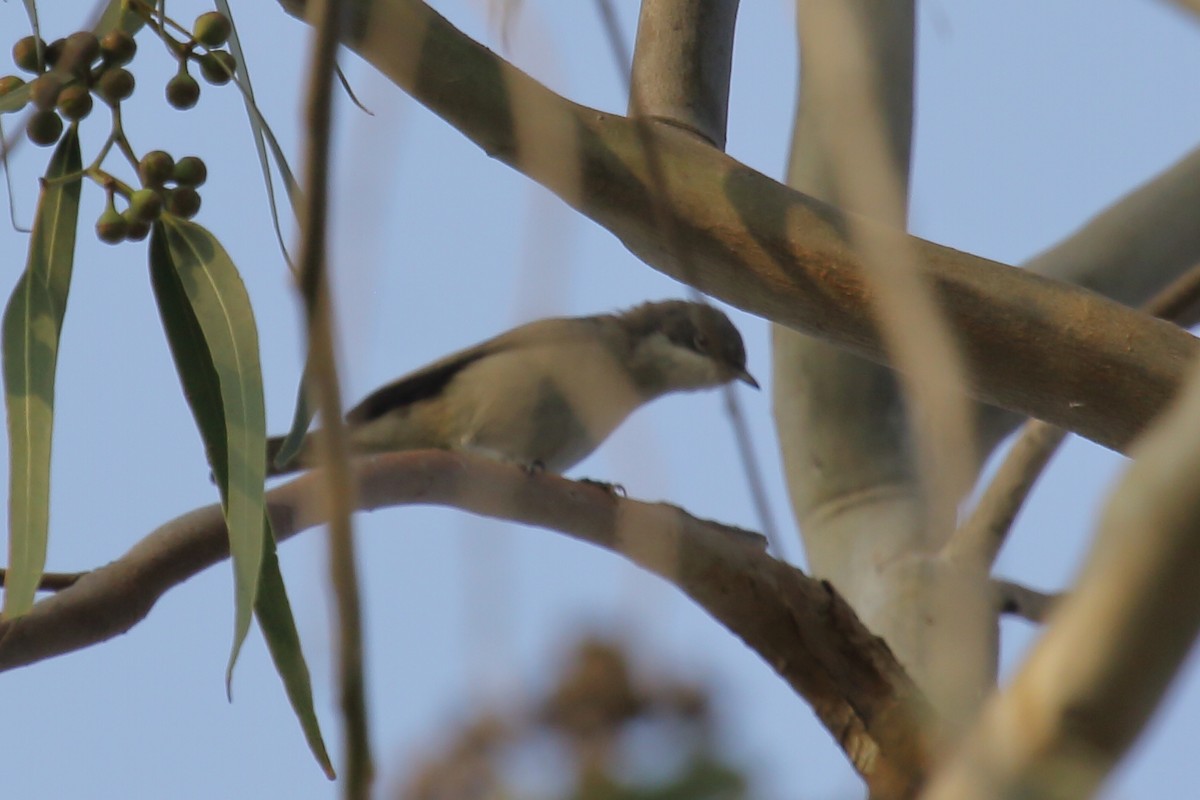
982	535
332	448
1021	601
1114	643
682	62
801	627
1035	346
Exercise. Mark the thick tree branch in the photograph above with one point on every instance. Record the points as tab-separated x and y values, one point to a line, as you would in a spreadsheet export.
984	532
800	626
681	64
1033	345
1127	252
1113	644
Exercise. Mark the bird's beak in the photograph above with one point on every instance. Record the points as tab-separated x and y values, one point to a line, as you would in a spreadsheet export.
748	379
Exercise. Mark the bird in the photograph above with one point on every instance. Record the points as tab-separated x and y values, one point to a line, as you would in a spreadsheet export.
544	395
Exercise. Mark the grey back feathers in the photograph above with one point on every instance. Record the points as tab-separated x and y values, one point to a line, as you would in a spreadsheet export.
549	392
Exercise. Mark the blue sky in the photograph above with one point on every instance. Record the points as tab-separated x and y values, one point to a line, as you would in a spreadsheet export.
1031	117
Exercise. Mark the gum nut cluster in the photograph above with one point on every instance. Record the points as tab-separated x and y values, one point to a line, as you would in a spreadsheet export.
70	72
167	186
210	31
67	73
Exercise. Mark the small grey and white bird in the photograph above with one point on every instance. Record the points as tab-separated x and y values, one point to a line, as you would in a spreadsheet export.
546	394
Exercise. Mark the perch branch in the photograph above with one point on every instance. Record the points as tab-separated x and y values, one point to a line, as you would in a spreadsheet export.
801	627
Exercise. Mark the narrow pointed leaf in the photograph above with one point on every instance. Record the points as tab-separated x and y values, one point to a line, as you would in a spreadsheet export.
202	385
31	328
31	12
117	15
263	137
301	419
15	100
275	618
224	389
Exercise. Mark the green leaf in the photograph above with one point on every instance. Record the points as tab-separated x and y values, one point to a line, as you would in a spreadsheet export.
264	137
301	419
275	618
202	385
117	15
31	328
31	12
210	325
14	101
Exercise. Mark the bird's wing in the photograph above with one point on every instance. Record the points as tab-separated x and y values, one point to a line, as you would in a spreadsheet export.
428	381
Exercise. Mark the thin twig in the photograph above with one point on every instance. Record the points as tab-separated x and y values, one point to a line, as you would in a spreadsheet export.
1021	601
985	531
331	440
50	581
1179	301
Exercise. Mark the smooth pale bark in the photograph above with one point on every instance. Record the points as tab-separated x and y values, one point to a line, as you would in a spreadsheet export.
844	434
681	64
1130	250
1136	246
1113	645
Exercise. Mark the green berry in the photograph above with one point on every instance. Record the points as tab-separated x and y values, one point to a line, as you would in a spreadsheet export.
44	90
44	127
24	54
184	202
75	102
137	231
145	205
112	227
190	171
118	48
218	67
212	29
54	52
155	168
10	83
82	48
115	85
183	91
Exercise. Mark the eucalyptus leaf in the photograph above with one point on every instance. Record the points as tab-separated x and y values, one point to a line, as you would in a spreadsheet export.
210	325
264	138
173	244
117	15
14	101
31	328
275	618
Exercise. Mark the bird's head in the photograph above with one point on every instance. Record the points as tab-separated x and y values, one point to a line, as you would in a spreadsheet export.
679	346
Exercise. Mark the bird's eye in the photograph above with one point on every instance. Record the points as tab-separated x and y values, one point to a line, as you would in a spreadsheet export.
700	342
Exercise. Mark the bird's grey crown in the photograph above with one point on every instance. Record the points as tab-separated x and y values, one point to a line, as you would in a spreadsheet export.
696	326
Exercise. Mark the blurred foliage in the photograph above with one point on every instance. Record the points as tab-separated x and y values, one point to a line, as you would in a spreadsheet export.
612	735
